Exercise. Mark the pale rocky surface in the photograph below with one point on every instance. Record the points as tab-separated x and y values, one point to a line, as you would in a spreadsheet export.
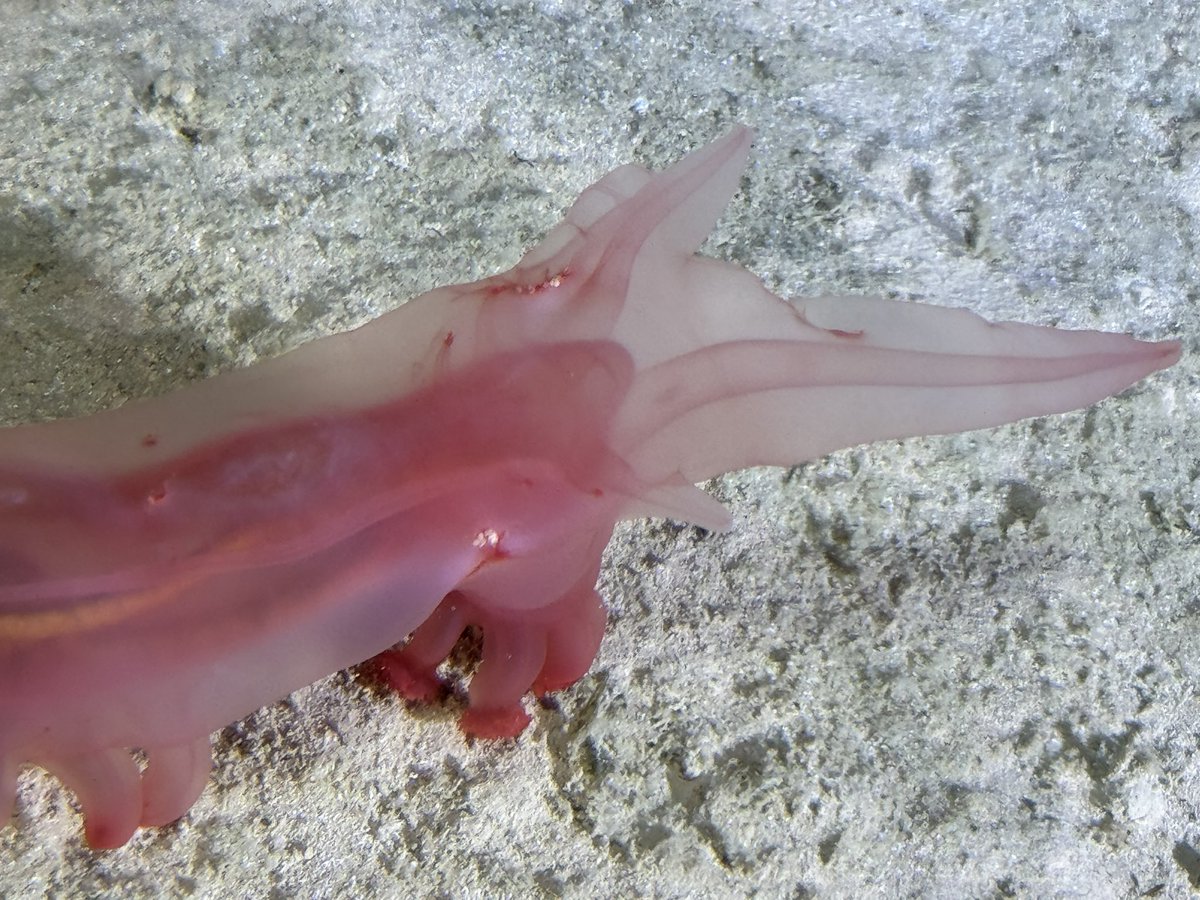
953	667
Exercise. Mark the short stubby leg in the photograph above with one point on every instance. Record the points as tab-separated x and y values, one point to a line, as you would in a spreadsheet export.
411	670
572	640
173	779
513	654
8	790
108	786
541	650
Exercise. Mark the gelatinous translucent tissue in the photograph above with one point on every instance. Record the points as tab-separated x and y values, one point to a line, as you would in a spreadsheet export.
170	566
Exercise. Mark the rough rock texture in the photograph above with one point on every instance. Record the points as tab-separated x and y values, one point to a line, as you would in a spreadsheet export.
951	667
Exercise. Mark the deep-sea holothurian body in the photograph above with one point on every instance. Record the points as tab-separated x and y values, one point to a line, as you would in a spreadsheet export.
172	565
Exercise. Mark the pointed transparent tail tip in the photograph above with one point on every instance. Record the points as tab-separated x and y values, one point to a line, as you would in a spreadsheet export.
850	370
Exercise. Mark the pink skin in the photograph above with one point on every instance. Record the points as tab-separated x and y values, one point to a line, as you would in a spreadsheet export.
170	566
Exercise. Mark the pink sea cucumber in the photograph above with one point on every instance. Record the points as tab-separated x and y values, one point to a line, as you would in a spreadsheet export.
172	565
